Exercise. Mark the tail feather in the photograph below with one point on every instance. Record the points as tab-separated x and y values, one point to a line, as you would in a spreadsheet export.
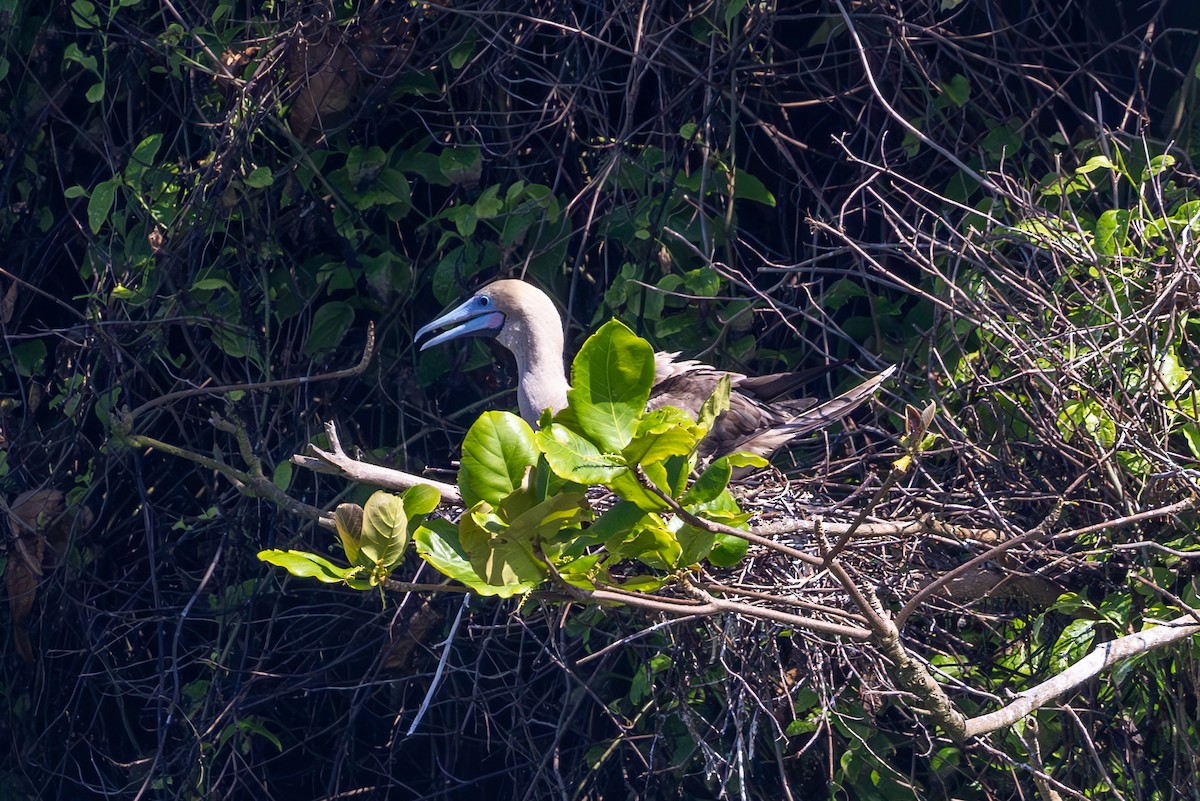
815	418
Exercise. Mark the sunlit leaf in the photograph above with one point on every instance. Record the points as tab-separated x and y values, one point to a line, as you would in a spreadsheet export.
503	559
716	404
1112	231
661	434
574	458
728	550
694	543
420	500
384	530
308	565
496	451
711	483
437	543
611	380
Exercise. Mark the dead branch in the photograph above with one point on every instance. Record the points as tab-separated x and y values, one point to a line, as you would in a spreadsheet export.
1105	656
337	462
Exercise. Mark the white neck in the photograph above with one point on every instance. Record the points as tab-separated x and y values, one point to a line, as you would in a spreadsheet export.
537	344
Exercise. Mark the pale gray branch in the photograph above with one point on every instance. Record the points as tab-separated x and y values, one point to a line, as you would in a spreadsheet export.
1105	655
338	462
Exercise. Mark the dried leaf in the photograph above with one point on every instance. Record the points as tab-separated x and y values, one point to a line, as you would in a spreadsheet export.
39	525
403	640
325	75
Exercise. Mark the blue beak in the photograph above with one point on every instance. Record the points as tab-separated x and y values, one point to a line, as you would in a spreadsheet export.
469	320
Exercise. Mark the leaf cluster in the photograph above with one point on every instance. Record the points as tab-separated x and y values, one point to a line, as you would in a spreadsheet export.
528	518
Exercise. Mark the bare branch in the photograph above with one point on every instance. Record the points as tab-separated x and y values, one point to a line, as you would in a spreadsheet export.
1105	656
338	462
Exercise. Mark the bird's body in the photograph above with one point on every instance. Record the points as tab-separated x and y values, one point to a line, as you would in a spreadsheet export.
525	321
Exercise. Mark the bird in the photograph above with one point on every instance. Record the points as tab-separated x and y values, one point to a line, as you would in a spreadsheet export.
526	322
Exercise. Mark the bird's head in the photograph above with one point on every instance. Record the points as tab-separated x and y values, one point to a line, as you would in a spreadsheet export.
519	315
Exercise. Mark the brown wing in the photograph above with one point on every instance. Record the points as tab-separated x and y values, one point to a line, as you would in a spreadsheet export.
751	424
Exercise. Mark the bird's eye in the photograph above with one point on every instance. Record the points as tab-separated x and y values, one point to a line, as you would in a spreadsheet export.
485	301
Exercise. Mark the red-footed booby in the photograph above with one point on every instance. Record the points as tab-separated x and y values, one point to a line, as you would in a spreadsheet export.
524	320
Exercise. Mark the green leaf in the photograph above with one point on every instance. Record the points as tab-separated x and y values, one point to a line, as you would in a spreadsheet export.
1170	375
1112	231
1089	417
462	53
461	165
308	565
573	458
651	543
748	187
728	550
1096	163
496	451
95	92
711	483
611	377
957	90
547	521
28	356
1191	433
259	178
282	477
732	10
661	434
211	284
695	544
143	155
437	543
622	517
1159	164
503	559
717	403
101	203
627	485
420	500
384	530
329	326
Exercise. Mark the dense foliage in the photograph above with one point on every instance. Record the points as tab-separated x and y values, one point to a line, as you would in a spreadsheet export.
203	205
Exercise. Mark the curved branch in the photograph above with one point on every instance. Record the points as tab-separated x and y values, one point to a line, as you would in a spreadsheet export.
349	372
1103	657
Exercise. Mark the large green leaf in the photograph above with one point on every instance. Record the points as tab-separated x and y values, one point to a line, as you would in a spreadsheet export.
623	516
438	544
574	458
611	380
695	544
384	530
503	559
711	483
497	450
559	516
651	543
308	565
627	485
728	550
717	403
661	434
